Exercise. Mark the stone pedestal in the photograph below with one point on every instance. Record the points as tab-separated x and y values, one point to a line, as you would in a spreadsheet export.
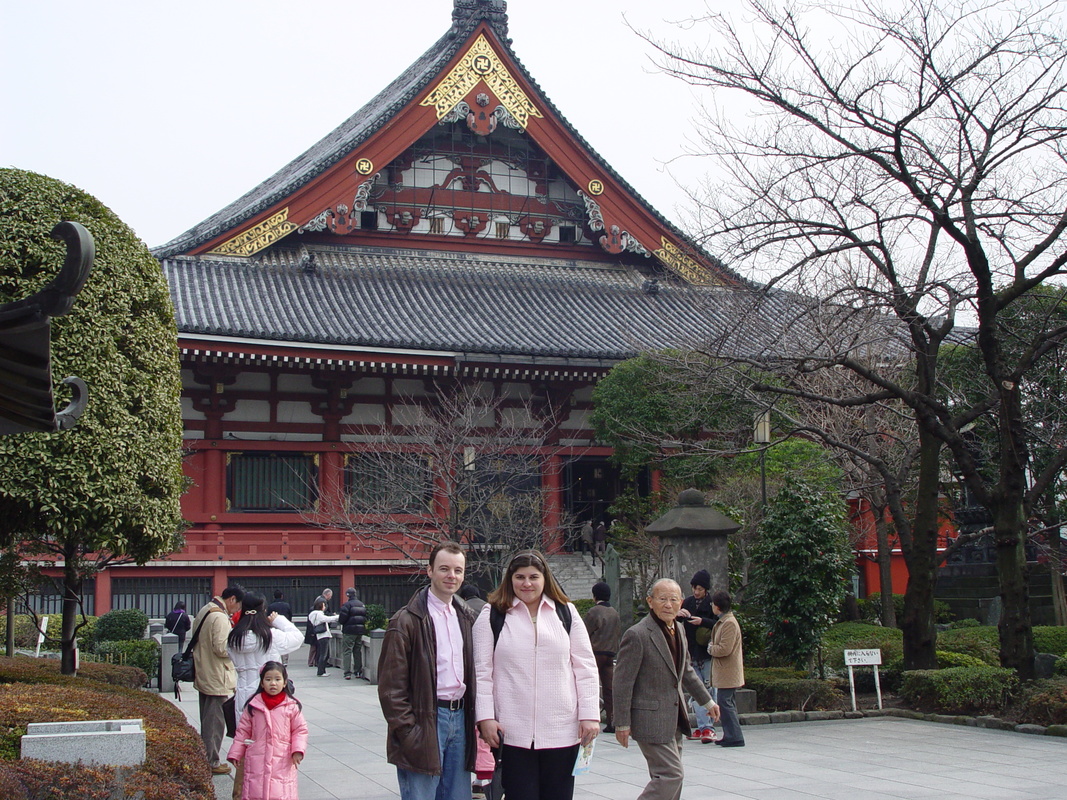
693	536
117	742
372	650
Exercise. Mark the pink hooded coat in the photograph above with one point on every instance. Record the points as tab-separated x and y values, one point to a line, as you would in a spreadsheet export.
269	772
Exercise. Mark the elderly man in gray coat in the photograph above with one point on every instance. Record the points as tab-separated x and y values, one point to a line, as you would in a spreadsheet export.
653	668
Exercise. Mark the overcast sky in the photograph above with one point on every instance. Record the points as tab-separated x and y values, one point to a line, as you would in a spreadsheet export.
168	111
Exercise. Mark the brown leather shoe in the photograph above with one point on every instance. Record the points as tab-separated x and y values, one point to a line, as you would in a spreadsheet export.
220	769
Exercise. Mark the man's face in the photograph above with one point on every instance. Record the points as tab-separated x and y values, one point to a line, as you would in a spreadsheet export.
446	574
232	605
327	593
665	601
699	592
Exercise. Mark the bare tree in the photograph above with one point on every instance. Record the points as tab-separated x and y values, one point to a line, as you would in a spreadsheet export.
908	162
458	463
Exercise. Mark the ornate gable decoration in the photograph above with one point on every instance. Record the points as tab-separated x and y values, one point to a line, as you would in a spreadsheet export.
481	63
256	238
672	257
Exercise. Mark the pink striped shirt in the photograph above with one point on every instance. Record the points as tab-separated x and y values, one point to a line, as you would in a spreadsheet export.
450	685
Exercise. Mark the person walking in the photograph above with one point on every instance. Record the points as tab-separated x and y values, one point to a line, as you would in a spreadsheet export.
538	694
353	620
727	668
699	619
652	670
604	626
426	685
271	739
216	677
178	623
320	621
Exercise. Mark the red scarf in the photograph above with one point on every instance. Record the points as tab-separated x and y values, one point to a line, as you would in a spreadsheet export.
273	701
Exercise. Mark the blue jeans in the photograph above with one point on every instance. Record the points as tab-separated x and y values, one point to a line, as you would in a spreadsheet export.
704	671
454	782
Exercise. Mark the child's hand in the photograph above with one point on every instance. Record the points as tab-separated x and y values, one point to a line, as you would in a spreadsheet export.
297	758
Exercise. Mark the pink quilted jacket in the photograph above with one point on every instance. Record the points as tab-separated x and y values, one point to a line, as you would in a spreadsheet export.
275	736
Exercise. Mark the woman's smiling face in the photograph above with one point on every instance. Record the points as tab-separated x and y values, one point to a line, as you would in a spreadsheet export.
528	583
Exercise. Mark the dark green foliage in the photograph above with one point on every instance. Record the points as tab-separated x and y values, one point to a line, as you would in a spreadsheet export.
111	484
1050	639
120	625
140	653
23	669
983	643
584	604
799	694
1043	702
26	632
757	678
376	617
960	690
753	636
871	609
965	623
860	636
1060	667
947	660
801	562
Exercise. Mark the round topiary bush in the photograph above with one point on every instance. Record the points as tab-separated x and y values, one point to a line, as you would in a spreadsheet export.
120	625
983	643
140	653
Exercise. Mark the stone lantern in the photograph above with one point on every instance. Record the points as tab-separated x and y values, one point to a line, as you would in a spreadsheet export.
693	537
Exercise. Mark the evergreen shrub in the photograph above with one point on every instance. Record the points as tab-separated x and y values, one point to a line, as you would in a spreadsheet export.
1050	639
799	694
376	617
140	653
121	624
583	605
960	690
983	643
1044	702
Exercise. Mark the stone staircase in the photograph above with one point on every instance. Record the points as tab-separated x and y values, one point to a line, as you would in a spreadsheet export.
576	573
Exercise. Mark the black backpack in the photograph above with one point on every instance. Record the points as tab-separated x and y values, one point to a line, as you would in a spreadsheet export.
496	619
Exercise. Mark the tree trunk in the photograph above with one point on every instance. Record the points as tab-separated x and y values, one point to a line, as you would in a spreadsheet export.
920	636
885	572
71	595
1015	626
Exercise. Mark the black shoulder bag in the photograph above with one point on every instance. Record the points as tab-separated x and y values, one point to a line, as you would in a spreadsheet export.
182	667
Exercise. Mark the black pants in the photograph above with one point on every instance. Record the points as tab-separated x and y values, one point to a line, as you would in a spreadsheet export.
605	665
323	656
538	774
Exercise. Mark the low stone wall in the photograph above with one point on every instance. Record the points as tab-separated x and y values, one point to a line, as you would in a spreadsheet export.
116	742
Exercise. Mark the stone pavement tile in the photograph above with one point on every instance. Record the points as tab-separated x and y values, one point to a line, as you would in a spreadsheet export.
886	758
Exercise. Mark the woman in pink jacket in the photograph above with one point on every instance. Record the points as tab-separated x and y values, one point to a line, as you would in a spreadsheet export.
538	695
271	738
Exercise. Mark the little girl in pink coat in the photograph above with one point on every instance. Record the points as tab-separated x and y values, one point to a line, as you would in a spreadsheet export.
271	737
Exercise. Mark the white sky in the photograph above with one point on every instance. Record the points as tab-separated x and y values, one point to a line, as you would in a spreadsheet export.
168	111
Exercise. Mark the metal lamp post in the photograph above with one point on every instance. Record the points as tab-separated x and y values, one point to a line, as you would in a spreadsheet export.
761	434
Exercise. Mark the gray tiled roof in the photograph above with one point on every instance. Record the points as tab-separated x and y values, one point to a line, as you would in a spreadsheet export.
374	115
394	298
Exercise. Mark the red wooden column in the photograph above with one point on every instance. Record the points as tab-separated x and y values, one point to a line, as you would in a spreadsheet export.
103	592
552	480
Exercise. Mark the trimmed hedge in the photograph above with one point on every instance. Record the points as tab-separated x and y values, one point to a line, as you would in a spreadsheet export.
583	605
1050	639
376	617
799	694
1060	667
960	690
983	643
947	659
174	767
120	625
23	669
860	636
26	631
140	653
1044	702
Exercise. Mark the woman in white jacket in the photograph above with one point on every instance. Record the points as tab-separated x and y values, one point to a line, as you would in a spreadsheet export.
258	637
317	617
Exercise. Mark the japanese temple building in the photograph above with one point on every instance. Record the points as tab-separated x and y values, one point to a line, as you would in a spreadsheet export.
455	231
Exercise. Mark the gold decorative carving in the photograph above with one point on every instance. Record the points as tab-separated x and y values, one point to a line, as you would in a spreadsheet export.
364	166
596	186
256	238
682	265
481	63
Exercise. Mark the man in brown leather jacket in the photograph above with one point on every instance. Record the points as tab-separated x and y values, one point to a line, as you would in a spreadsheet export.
431	721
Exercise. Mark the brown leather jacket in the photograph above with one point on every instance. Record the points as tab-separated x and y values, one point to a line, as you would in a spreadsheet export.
407	686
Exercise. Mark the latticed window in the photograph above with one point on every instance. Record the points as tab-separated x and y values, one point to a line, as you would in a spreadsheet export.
389	483
271	482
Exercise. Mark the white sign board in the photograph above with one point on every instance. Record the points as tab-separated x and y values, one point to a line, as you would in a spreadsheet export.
40	636
862	658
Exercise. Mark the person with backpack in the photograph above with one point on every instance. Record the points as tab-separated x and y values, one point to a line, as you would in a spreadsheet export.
178	623
538	696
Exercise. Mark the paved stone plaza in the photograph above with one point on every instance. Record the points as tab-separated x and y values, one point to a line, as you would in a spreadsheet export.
866	759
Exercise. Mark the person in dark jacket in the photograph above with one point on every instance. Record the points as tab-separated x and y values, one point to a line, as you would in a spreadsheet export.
282	609
178	623
604	626
699	619
353	620
426	685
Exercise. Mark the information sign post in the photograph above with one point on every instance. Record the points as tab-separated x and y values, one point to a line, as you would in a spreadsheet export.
863	658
